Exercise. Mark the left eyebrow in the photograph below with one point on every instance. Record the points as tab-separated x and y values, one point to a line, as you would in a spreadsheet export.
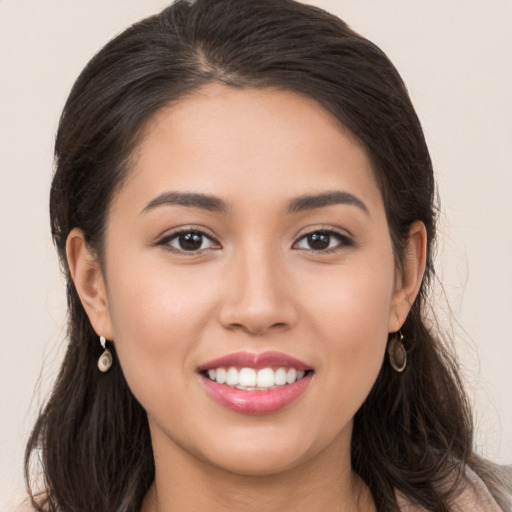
311	202
189	200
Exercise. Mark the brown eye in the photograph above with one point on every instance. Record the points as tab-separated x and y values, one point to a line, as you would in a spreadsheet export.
319	241
322	240
189	241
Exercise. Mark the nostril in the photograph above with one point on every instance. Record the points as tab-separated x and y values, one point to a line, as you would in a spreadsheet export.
255	328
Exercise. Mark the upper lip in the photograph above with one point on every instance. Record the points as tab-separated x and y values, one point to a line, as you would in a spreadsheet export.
256	361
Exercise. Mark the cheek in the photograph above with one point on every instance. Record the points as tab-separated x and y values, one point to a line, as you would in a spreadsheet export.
351	318
152	302
355	299
158	318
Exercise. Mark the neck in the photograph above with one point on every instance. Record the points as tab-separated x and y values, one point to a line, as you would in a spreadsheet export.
324	484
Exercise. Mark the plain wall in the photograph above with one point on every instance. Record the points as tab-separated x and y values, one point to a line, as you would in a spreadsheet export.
454	55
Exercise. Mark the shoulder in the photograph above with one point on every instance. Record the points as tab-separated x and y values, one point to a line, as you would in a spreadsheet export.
474	497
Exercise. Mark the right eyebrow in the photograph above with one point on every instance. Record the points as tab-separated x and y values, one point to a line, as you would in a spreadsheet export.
310	202
190	200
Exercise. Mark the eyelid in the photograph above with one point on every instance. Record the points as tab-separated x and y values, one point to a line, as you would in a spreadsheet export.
330	228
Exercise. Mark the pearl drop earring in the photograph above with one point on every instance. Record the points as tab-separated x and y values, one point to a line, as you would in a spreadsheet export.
105	360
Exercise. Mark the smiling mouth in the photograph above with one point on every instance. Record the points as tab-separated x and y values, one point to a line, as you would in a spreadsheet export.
251	379
248	383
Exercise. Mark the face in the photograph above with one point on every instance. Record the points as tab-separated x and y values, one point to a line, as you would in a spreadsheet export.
249	243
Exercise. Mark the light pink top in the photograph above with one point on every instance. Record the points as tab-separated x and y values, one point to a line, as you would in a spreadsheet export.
475	498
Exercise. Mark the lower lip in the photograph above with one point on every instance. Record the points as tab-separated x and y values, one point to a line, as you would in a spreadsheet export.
256	402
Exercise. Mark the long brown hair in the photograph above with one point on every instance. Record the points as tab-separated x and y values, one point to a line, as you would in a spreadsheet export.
414	431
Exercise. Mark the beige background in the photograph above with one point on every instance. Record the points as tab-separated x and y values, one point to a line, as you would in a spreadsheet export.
455	56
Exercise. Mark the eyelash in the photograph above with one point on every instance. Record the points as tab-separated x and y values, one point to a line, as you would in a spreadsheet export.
343	241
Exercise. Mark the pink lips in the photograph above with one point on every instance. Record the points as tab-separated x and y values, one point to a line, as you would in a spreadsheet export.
256	401
256	361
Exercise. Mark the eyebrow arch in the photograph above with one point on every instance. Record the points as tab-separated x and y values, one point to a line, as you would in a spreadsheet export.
190	200
310	202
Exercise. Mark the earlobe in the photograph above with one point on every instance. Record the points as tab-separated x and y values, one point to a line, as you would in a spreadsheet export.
411	276
89	282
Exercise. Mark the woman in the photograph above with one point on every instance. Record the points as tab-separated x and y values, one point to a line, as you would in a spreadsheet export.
244	208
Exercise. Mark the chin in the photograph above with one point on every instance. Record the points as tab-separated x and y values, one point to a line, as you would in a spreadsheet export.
263	455
258	464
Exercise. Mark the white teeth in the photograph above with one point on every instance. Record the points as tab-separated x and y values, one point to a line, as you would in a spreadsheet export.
280	379
291	375
249	378
266	378
232	377
220	375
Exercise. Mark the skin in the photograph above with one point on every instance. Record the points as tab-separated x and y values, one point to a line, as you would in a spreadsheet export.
255	285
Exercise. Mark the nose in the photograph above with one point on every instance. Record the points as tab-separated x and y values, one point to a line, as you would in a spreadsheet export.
258	297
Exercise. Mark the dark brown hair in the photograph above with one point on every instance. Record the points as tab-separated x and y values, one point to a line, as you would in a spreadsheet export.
414	431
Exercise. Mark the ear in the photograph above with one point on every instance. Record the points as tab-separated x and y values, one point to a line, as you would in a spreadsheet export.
408	279
89	283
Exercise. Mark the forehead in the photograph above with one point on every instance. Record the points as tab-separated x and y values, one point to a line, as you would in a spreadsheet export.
229	140
246	111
